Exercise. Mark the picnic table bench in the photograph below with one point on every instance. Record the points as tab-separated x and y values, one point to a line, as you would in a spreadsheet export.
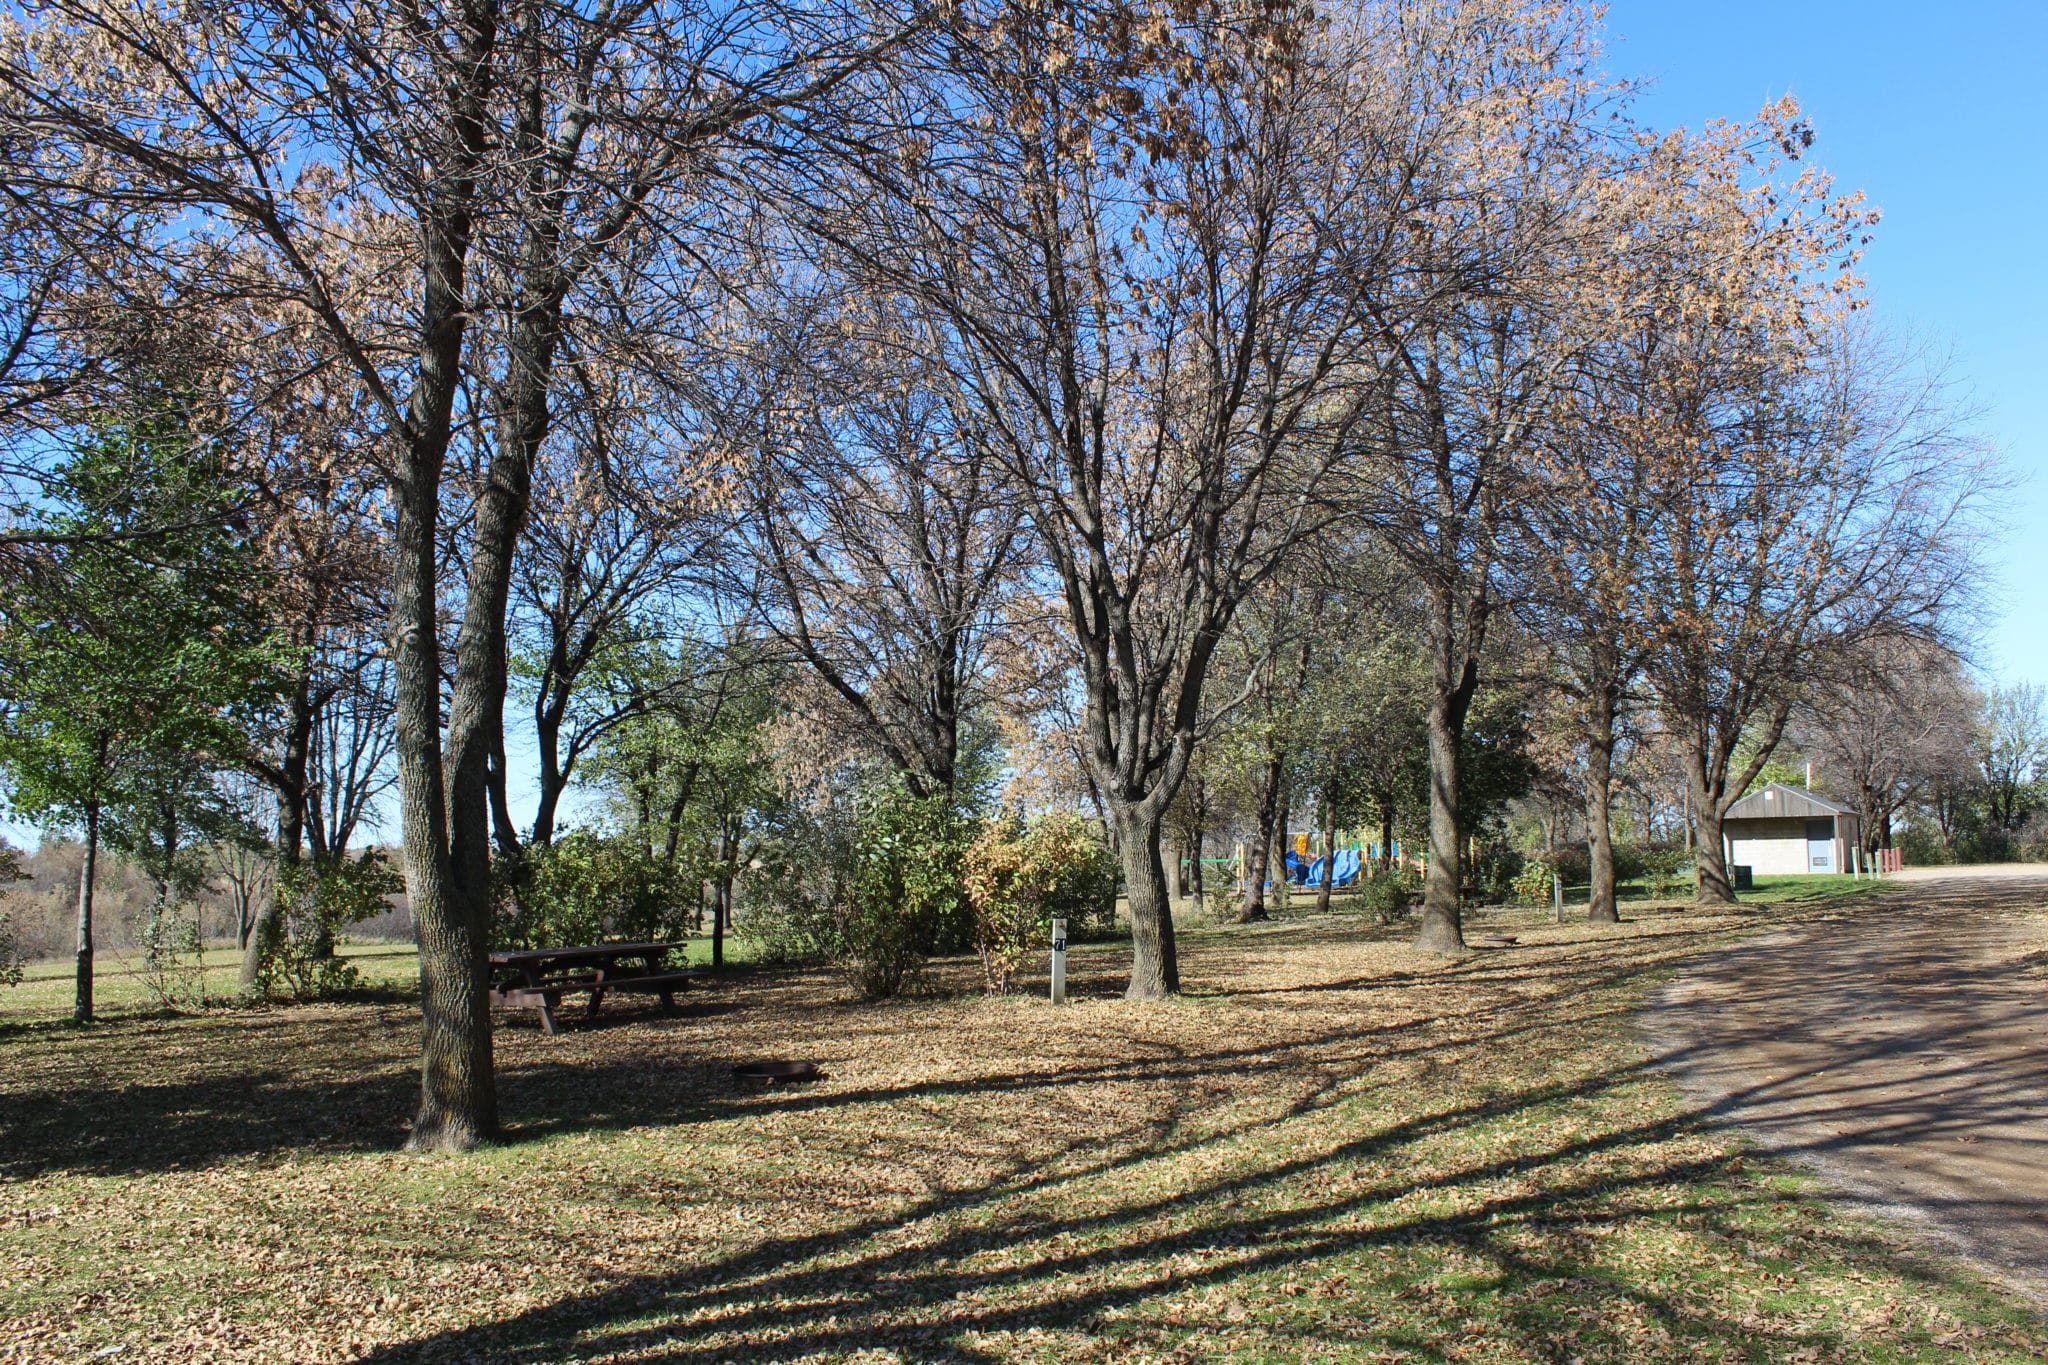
538	978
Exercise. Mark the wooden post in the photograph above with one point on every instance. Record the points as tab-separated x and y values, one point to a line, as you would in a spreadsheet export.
1557	894
1059	962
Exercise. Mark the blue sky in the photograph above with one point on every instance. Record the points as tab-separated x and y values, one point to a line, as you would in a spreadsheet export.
1939	113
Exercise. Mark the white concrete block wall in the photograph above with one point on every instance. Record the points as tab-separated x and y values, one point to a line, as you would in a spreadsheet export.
1771	857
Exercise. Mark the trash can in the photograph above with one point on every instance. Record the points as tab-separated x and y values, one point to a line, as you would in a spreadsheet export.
1743	880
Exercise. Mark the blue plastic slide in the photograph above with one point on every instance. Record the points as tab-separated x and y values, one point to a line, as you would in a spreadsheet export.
1311	874
1346	869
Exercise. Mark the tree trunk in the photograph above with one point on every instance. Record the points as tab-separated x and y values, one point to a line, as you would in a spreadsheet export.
81	1008
1283	811
167	882
549	709
1155	967
503	831
718	922
1259	855
1329	854
291	788
458	1097
458	1105
1601	908
260	942
543	831
1709	852
1386	858
721	907
1442	929
458	1090
684	790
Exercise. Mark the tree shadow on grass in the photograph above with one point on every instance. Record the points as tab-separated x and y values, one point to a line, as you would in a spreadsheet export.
1078	1241
156	1095
142	1096
1106	1231
1104	1271
195	1092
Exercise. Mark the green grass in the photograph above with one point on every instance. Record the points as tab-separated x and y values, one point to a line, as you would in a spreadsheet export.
121	986
1767	890
1813	887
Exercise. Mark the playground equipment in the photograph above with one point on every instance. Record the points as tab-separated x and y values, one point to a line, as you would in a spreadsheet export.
1346	862
1302	862
1343	872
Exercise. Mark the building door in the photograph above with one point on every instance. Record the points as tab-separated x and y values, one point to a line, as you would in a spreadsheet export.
1820	846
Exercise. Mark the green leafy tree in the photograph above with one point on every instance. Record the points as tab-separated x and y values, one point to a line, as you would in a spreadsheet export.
586	887
10	947
315	901
690	768
134	647
2013	755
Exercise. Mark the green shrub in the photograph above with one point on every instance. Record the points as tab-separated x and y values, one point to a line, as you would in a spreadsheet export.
1386	898
1019	879
1922	846
1663	865
587	887
315	902
2030	844
1492	874
785	903
870	885
173	967
901	899
1533	884
1629	862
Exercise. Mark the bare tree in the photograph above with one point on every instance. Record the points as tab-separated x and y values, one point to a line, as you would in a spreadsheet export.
240	854
1894	718
1153	305
619	525
881	537
1509	133
1830	506
1583	519
495	152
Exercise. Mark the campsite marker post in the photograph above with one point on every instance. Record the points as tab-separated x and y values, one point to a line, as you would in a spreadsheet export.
1557	894
1059	962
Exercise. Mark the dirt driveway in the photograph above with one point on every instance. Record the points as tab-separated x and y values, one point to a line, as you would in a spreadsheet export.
1900	1048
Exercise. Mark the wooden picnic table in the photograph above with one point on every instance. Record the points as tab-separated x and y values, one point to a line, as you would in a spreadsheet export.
537	978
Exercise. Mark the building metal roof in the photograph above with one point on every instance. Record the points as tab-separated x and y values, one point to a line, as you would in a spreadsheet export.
1779	802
